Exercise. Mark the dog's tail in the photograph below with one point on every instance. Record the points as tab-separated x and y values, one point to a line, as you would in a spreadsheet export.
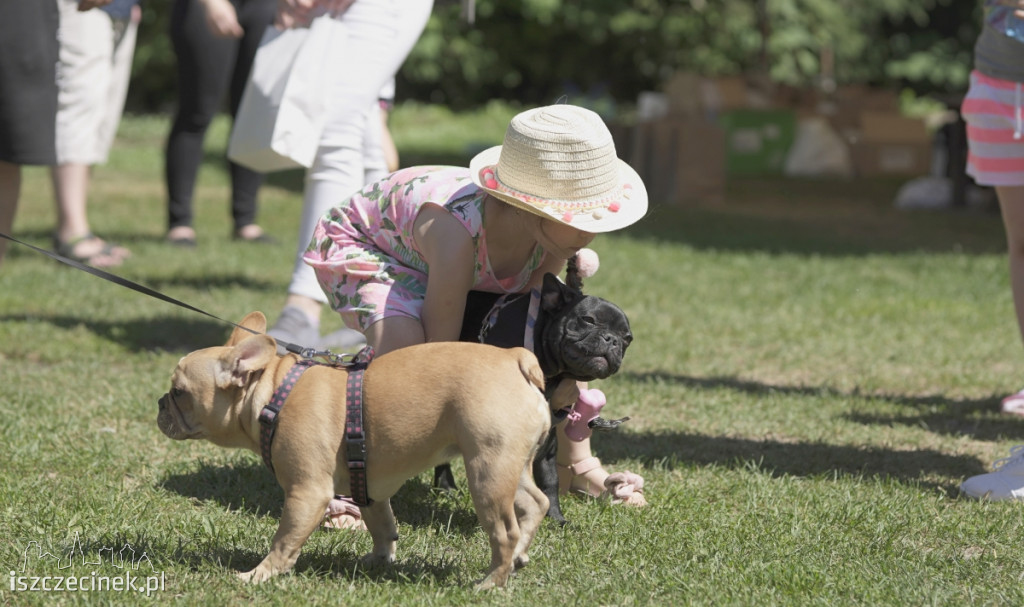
530	367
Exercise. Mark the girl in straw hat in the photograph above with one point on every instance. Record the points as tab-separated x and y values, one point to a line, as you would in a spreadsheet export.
398	258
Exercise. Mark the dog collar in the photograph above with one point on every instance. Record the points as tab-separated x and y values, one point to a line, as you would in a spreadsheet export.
268	416
531	319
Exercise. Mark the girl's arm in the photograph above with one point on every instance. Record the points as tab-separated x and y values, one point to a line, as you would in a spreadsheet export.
551	264
448	249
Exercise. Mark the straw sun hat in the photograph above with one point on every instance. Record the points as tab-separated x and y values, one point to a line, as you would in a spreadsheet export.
559	162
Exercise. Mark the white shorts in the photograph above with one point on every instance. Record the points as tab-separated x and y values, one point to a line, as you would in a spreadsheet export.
92	77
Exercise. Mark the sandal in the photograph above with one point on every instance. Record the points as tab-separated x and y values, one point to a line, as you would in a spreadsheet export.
260	238
109	255
343	513
1013	404
621	487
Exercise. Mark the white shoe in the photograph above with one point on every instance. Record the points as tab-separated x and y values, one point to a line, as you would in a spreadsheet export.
1005	482
1013	404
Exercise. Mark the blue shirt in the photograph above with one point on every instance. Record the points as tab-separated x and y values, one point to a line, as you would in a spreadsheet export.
120	9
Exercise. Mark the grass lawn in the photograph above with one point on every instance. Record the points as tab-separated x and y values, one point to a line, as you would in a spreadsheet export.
813	375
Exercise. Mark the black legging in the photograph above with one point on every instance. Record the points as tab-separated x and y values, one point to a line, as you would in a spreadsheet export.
207	66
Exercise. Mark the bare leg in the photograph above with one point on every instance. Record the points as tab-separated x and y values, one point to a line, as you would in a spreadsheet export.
10	189
71	189
1011	202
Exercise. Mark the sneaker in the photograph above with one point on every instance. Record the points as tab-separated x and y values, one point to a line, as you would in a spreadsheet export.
1013	404
342	340
1005	482
294	326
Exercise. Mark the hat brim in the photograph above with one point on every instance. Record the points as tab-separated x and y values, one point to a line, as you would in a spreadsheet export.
630	210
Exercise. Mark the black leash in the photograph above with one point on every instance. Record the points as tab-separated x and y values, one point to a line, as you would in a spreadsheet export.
304	352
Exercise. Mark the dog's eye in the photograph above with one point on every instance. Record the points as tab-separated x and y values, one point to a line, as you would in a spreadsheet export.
588	320
177	392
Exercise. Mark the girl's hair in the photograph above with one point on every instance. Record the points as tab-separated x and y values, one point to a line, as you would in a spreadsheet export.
572	275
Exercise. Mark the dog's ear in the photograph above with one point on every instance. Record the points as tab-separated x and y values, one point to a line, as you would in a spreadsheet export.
555	295
253	354
255	321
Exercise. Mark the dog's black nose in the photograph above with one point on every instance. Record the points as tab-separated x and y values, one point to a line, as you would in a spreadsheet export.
162	402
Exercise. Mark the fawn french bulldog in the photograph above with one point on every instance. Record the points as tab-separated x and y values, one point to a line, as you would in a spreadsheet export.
422	406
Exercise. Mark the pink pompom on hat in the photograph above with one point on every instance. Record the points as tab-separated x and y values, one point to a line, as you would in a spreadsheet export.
559	162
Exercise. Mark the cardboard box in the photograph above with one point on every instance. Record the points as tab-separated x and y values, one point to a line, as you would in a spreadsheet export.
876	158
892	127
684	95
889	143
680	161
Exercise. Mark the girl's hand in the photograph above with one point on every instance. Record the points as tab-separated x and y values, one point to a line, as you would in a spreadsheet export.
1018	4
300	13
87	5
222	19
566	393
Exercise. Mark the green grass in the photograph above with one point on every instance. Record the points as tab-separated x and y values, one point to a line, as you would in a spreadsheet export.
813	375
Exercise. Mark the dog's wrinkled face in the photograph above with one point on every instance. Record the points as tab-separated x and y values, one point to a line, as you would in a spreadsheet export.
207	388
585	336
183	409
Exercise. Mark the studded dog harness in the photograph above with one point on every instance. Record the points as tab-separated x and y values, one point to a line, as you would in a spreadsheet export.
355	437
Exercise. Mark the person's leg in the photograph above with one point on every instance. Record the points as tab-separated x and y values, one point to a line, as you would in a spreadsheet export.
85	74
254	16
1011	203
29	53
579	471
124	34
10	189
204	66
380	35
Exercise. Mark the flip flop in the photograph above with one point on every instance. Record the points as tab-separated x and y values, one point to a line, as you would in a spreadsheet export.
621	487
343	513
115	254
1013	404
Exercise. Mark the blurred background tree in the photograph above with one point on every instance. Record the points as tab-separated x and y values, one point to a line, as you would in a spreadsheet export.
535	51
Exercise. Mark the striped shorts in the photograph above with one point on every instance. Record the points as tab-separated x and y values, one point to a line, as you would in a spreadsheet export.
995	130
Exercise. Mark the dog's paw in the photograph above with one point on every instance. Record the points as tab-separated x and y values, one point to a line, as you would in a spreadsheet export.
495	579
256	576
373	559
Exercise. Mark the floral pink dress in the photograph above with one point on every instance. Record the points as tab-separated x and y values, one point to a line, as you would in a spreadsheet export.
365	256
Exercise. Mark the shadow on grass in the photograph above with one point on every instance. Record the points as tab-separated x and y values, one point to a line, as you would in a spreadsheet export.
829	217
954	417
805	459
252	488
169	334
335	561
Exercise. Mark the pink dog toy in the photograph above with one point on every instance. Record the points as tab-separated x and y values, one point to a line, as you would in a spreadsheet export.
587	407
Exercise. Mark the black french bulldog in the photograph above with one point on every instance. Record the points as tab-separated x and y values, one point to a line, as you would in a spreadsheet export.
576	336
